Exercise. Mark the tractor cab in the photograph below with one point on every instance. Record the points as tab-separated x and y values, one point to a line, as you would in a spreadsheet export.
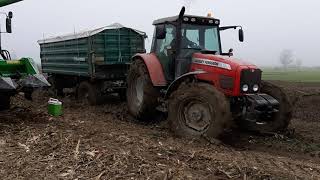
177	38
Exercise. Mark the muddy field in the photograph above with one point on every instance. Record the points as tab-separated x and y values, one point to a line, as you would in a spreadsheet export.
106	143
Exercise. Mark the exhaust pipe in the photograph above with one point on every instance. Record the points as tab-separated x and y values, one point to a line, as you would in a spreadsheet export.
181	14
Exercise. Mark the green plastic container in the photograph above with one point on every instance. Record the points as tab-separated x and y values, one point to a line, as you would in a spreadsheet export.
54	107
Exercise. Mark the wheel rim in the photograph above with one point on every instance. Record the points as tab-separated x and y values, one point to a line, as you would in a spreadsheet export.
86	97
197	116
139	89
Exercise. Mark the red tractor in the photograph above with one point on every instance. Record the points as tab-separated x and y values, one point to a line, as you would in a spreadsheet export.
205	90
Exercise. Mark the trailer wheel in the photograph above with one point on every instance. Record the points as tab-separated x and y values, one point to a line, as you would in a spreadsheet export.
198	109
4	102
142	96
88	93
55	90
122	94
282	119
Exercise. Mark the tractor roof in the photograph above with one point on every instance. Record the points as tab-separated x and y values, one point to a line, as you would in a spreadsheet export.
176	18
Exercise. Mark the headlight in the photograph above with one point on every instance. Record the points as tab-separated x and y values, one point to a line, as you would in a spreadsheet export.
256	88
245	88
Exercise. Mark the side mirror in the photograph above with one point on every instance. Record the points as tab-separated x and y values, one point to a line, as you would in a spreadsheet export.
10	15
230	52
161	31
8	25
241	35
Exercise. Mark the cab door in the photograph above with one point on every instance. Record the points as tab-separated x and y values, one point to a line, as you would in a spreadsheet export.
164	49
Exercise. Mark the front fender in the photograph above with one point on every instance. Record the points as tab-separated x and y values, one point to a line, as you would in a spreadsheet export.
154	68
175	84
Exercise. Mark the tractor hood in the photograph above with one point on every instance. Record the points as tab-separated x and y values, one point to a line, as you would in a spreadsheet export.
221	61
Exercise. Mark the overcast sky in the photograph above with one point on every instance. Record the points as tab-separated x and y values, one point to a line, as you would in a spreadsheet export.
270	25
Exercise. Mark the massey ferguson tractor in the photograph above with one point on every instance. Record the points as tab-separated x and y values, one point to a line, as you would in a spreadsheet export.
205	90
20	75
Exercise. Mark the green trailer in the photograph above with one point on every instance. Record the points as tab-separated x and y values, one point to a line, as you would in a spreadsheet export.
93	62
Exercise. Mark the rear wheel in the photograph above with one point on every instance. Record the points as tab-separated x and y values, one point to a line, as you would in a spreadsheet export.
198	110
282	118
88	93
142	96
4	102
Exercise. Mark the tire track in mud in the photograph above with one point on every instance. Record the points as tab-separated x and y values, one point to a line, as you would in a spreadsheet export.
263	162
268	163
156	144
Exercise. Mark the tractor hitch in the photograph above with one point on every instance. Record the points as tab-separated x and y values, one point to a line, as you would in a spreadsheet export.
262	107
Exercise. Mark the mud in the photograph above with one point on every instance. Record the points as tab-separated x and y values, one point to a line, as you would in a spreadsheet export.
104	142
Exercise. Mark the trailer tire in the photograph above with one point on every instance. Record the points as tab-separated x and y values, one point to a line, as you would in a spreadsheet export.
4	102
142	96
122	94
282	119
198	109
88	93
56	89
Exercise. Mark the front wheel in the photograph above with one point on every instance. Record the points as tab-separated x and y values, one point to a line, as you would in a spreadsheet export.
198	109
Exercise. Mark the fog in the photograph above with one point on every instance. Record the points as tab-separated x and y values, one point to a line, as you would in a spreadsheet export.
270	26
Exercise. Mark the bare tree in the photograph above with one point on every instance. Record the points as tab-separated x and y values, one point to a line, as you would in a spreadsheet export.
286	58
299	64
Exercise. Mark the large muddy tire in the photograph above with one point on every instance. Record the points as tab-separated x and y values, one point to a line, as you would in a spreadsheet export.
198	109
4	102
282	118
142	96
88	93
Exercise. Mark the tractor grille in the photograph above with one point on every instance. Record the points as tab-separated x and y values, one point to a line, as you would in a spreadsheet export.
226	82
250	77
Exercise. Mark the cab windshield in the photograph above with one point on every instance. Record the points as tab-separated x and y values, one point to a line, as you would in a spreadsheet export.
201	37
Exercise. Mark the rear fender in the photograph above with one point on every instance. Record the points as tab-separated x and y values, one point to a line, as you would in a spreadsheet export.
175	84
154	68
